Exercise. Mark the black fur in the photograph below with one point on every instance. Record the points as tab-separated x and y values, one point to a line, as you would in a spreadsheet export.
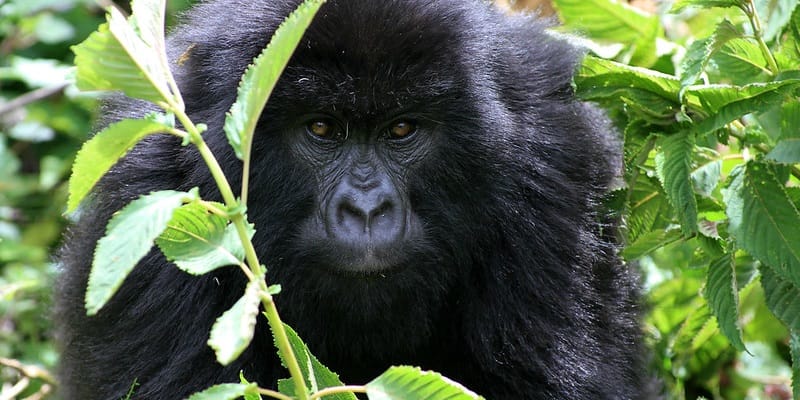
512	286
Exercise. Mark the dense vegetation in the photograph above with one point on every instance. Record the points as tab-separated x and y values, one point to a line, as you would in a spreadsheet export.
705	92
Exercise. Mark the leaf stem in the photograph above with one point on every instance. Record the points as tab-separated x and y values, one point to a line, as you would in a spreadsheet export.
755	22
274	394
239	221
338	389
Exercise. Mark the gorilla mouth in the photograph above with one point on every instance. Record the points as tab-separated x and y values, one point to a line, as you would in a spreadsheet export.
359	259
365	259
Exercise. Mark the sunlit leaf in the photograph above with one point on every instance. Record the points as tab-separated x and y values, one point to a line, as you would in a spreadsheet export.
261	77
316	375
127	55
402	383
198	241
226	391
681	4
129	237
613	21
233	331
102	151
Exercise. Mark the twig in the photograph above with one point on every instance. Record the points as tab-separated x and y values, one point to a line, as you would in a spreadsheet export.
31	97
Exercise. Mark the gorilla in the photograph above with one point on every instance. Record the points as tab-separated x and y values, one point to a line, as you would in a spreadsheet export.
425	187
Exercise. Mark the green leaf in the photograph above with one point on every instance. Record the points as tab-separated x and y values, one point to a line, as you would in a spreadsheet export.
741	61
649	242
700	51
599	79
725	103
763	219
782	297
649	208
674	167
128	56
261	77
681	4
786	151
615	22
198	241
402	383
226	391
723	298
233	331
103	150
248	396
316	375
129	237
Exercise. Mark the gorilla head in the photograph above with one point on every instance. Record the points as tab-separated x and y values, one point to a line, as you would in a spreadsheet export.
424	187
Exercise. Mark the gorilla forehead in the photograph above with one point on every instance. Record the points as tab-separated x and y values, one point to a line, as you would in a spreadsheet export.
356	54
343	61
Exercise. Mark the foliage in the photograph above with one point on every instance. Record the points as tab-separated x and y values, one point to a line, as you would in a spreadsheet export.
711	122
41	127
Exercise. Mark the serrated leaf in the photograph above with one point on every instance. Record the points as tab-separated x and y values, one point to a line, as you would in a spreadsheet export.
723	298
233	331
786	151
198	241
262	76
741	61
599	79
102	151
782	297
681	4
674	167
725	103
226	391
248	396
649	208
127	56
316	375
700	51
402	383
649	242
129	237
763	219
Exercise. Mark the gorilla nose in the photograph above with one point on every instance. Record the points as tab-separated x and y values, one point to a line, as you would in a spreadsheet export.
373	216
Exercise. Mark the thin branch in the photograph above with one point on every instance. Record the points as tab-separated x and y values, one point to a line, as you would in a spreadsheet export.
31	97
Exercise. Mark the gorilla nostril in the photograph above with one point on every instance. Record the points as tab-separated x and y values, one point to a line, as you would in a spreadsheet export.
357	217
352	217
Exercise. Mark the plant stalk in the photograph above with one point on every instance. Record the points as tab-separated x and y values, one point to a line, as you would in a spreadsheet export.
755	23
239	221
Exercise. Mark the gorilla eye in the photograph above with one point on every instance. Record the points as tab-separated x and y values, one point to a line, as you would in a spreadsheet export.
402	129
323	129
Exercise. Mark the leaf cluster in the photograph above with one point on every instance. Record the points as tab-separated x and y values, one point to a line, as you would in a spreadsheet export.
711	129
